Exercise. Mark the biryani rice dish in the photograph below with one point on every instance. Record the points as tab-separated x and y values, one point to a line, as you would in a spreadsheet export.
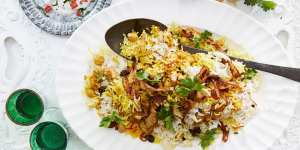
167	96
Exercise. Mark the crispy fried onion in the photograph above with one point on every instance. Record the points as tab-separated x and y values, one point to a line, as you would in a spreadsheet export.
215	112
131	88
148	123
225	131
144	85
220	86
188	32
215	92
234	71
217	109
129	81
203	74
186	106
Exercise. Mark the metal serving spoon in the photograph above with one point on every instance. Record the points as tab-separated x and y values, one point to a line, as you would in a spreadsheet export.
115	36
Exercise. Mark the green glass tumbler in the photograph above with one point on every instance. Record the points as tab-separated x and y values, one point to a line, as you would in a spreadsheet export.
24	107
48	136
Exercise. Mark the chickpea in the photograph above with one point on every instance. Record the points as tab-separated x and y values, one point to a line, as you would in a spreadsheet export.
93	80
99	60
90	93
132	37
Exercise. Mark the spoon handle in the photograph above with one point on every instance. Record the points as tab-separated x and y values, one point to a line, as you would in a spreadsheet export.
287	72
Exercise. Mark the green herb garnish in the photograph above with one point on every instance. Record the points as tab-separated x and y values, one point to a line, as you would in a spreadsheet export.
81	11
202	37
169	123
183	91
106	121
55	4
207	138
143	75
249	74
266	5
187	82
165	114
66	1
188	85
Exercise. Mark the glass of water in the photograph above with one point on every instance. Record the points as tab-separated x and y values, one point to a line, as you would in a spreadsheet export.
24	107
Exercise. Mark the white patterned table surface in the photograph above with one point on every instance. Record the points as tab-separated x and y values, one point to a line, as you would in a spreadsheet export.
33	56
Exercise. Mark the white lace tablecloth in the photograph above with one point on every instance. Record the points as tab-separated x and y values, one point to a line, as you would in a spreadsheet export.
31	56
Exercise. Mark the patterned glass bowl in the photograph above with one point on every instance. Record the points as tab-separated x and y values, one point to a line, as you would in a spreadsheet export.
61	17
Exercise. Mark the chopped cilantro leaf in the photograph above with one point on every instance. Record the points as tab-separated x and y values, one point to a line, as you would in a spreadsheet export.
202	37
205	35
198	87
207	138
249	74
188	85
188	82
163	113
182	91
166	115
106	121
169	123
143	75
116	118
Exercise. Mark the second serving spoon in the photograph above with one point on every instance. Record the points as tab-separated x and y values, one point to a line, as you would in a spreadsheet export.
115	36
